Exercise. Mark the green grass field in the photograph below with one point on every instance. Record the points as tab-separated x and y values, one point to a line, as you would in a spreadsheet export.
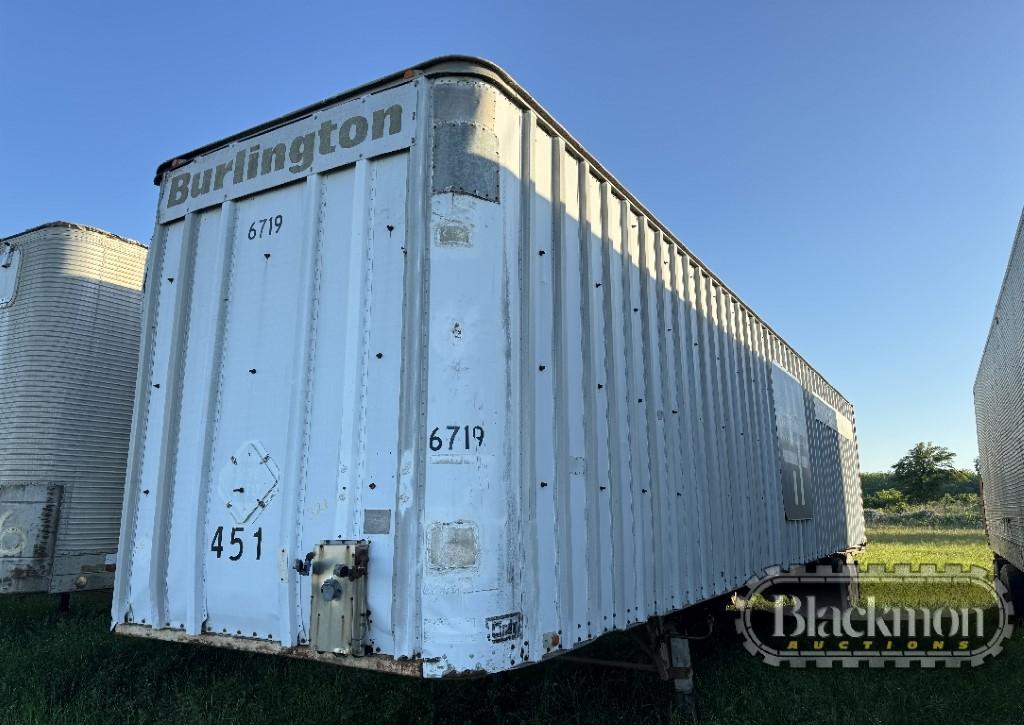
917	546
71	669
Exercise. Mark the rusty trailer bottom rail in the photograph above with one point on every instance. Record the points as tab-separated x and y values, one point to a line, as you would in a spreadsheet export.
374	663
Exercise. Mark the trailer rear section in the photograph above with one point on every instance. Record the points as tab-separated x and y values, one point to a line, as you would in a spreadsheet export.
424	389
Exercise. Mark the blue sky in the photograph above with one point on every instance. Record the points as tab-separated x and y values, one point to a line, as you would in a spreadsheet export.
853	170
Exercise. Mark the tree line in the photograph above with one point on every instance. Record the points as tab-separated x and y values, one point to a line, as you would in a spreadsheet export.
925	473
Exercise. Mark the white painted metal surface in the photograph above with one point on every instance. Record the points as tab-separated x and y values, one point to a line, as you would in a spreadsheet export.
70	303
999	410
444	329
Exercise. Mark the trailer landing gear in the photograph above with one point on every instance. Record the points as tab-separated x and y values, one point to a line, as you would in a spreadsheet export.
674	664
668	647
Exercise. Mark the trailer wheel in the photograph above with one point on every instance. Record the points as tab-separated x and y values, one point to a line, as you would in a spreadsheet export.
1013	580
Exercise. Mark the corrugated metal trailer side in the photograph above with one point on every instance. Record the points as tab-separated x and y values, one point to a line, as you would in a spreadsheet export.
420	319
70	303
999	411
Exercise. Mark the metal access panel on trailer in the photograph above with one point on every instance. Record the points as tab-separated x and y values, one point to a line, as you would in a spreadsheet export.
999	411
70	306
424	389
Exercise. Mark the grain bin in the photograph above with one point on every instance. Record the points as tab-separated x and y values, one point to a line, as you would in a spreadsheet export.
425	389
70	303
999	412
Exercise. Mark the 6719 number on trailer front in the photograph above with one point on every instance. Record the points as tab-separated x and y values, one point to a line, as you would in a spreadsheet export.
266	227
450	440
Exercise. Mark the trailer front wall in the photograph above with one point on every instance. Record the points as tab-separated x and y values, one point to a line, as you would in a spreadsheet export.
999	411
70	303
473	349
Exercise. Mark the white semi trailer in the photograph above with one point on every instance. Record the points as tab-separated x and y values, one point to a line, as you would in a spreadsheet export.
999	411
70	305
424	389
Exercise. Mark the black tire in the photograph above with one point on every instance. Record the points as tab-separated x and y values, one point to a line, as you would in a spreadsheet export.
1013	580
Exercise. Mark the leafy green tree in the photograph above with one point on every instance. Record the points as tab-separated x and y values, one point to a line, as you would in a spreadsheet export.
924	470
888	498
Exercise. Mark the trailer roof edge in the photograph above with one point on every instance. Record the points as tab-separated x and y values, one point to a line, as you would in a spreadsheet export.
73	225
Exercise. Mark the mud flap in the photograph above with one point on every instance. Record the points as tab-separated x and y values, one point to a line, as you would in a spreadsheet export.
29	517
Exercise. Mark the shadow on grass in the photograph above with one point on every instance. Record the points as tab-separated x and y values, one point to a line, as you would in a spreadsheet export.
72	669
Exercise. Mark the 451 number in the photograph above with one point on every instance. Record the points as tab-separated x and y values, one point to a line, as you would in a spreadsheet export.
454	440
217	545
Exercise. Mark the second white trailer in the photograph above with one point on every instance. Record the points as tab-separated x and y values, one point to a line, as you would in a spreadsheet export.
999	412
424	389
70	303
